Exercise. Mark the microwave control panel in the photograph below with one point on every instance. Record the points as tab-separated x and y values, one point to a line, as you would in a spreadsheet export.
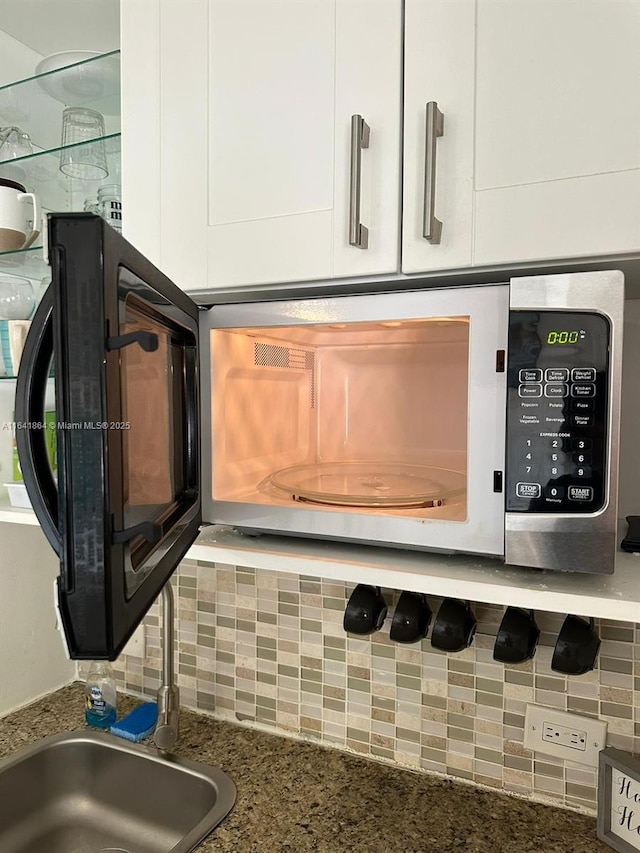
557	411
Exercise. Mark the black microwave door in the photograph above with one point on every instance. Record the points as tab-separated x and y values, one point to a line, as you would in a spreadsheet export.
126	506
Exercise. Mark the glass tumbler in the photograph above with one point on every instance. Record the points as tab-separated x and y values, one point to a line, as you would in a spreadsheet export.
110	205
83	153
14	145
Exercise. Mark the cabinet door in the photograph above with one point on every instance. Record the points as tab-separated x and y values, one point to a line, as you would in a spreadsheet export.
252	109
439	67
557	147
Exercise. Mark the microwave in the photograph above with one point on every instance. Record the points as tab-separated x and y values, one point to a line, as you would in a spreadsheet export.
483	420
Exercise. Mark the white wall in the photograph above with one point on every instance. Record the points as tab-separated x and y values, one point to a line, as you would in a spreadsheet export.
51	26
32	658
17	61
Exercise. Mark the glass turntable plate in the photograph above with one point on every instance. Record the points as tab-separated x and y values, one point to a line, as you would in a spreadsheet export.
388	484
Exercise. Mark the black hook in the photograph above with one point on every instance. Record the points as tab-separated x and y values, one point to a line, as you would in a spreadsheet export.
455	626
517	636
576	647
411	618
366	610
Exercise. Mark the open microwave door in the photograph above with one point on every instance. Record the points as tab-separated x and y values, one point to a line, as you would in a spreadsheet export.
126	506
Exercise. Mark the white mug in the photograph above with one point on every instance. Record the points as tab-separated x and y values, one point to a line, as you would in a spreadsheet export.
18	227
13	335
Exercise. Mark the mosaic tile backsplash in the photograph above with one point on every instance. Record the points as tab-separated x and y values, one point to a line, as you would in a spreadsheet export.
269	650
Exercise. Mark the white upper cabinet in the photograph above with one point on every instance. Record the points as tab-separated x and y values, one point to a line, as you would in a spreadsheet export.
439	68
246	174
245	162
557	148
540	154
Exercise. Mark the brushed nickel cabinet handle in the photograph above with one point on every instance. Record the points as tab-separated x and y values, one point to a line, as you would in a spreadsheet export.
358	233
431	227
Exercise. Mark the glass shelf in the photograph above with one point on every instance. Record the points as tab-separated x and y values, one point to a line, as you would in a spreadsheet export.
28	263
40	173
35	105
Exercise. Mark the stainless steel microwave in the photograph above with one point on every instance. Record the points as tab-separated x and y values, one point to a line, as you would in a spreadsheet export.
483	420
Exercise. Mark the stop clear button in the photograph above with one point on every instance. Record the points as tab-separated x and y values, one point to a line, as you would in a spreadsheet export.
528	490
580	493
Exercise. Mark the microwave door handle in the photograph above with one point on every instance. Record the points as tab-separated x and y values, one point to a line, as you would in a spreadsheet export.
30	431
431	227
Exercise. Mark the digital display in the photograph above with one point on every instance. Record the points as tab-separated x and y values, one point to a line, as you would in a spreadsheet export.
564	336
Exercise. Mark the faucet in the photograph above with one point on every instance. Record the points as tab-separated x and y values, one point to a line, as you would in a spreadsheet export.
166	732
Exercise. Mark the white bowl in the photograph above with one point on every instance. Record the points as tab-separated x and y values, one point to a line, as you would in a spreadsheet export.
64	58
94	83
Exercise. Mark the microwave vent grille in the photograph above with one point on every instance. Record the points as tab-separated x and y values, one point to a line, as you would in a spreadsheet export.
275	355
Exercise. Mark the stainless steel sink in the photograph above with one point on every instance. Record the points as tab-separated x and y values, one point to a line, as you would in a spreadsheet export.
89	792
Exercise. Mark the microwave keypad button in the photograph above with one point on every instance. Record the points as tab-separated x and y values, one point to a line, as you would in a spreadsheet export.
581	458
530	390
581	493
583	374
528	490
584	421
583	472
556	374
530	375
555	415
559	389
588	390
555	493
555	466
582	406
581	444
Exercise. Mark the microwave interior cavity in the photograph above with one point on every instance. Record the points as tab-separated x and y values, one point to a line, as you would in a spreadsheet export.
350	417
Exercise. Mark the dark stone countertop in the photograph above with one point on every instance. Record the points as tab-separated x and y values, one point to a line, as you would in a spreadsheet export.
296	797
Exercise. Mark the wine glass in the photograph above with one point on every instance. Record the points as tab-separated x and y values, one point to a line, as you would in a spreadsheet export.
17	298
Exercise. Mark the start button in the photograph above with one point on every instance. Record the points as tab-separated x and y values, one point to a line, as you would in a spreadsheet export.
580	493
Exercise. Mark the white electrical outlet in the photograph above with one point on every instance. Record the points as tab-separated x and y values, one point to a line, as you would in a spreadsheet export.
136	646
564	735
573	738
